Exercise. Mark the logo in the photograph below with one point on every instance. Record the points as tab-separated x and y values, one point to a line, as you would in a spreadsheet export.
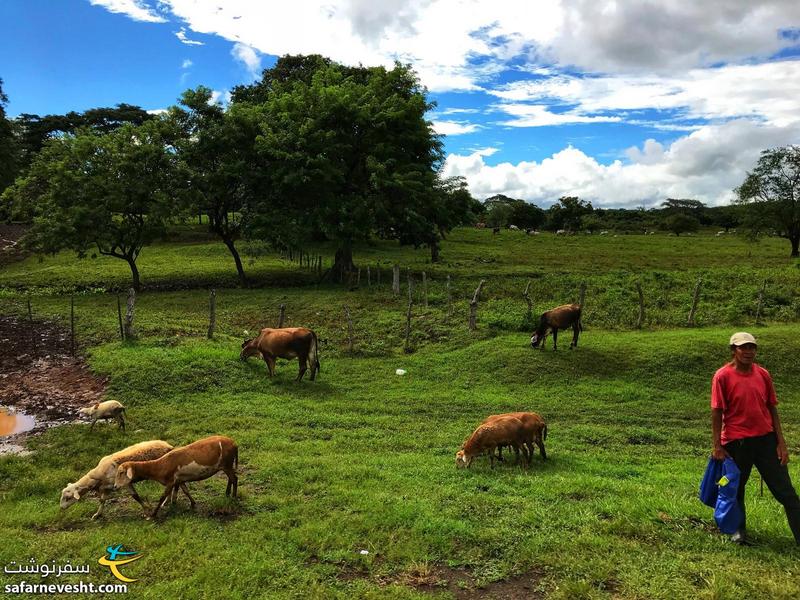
112	562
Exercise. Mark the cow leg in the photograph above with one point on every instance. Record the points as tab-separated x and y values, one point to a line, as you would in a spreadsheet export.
270	360
574	343
555	338
233	482
303	360
544	340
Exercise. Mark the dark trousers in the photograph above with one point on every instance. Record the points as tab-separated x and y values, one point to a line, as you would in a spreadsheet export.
762	451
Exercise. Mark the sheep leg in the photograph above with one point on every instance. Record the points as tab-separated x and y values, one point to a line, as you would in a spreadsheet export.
121	422
163	499
99	512
136	497
188	495
91	428
540	443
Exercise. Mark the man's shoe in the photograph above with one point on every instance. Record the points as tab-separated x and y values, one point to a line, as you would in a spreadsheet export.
739	538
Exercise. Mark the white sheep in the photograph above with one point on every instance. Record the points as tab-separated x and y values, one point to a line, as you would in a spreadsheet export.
110	409
100	480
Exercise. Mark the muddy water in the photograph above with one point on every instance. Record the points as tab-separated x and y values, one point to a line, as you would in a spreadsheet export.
13	422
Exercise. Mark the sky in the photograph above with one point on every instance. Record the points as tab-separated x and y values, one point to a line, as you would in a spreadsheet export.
623	103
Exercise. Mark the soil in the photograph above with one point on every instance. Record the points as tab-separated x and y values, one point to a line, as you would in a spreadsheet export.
39	377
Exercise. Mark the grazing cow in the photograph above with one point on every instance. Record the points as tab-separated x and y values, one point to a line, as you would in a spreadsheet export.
561	317
288	343
513	228
561	232
495	230
480	225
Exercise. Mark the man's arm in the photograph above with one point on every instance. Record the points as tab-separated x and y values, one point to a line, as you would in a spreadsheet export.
783	453
718	452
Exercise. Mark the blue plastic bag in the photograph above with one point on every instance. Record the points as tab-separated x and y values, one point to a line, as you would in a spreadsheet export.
708	485
727	512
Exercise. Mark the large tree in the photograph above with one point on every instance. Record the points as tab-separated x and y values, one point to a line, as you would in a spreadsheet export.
112	192
8	151
32	131
773	186
216	150
346	150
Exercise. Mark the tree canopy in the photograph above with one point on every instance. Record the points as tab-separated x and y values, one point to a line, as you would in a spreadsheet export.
347	149
8	151
113	192
773	187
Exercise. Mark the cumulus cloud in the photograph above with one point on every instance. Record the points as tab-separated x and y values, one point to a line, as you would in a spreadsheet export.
186	63
137	10
220	97
181	35
248	57
454	127
706	165
534	115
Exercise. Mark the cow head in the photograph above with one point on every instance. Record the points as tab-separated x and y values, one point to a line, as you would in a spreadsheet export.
247	349
535	339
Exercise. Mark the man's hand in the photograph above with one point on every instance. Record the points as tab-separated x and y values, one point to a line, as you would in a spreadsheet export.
783	453
719	453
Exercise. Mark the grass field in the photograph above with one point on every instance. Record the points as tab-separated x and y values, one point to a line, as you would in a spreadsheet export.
363	459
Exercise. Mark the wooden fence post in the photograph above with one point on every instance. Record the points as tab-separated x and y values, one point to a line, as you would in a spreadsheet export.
369	277
119	317
129	315
378	273
396	280
282	316
72	324
760	302
212	313
407	348
640	319
527	297
582	294
473	307
30	311
425	288
695	298
449	298
358	279
349	329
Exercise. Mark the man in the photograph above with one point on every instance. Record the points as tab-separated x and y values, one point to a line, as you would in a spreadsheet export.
745	427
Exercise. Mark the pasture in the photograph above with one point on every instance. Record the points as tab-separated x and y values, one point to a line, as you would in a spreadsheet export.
348	486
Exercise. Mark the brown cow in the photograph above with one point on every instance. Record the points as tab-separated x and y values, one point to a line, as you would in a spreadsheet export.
288	343
561	317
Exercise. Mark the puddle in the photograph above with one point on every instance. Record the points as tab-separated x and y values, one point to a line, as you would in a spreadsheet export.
13	422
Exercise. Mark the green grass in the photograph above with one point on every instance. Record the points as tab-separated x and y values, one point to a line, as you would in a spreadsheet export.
363	459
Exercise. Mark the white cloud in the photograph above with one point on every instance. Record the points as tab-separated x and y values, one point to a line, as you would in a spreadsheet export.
454	111
705	165
220	97
186	63
135	9
766	91
248	57
533	115
181	35
454	127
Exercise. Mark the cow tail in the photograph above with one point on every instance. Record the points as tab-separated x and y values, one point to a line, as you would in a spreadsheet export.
235	457
313	356
544	432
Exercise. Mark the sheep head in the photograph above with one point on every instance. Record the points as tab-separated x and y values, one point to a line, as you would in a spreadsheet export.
462	460
69	496
124	475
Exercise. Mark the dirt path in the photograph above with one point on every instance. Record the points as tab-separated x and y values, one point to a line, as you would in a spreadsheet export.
38	377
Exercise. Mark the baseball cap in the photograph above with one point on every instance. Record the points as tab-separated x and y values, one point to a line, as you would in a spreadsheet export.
742	337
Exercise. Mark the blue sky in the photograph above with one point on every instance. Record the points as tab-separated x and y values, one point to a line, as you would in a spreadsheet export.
623	103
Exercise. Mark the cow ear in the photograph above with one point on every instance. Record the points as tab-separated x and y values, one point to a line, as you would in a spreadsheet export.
129	473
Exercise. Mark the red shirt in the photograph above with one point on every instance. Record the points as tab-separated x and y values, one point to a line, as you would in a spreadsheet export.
745	399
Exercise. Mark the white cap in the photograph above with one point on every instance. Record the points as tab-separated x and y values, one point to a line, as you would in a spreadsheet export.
742	337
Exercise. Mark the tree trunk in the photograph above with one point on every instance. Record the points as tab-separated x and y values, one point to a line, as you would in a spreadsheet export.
134	274
434	251
795	245
343	261
239	269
